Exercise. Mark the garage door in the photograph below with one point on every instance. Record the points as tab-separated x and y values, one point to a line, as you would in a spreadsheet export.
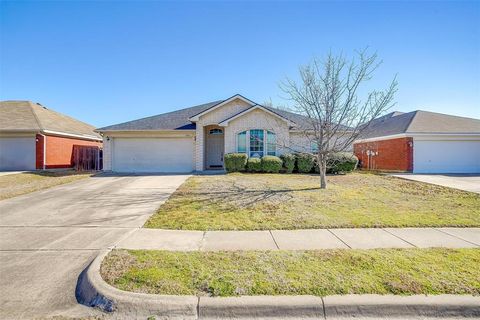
152	154
17	153
446	156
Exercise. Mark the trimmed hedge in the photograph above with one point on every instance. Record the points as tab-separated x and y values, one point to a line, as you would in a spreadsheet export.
341	162
254	164
235	162
305	162
288	162
271	164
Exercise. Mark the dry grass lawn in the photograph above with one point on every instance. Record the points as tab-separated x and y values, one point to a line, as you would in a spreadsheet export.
280	201
324	272
13	185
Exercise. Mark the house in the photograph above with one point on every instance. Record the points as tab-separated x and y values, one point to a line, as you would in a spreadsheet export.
35	137
196	138
421	142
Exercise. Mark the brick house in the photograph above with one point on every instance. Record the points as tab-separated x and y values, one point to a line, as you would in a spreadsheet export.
421	142
196	138
35	137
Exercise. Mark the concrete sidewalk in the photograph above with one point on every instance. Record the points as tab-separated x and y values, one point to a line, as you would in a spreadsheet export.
369	238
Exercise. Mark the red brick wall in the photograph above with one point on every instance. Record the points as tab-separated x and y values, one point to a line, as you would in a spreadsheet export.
59	151
39	151
393	154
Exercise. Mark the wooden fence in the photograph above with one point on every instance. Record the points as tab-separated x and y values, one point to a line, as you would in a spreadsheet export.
87	158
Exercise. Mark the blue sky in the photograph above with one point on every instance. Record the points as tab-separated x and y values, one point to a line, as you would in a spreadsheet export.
109	62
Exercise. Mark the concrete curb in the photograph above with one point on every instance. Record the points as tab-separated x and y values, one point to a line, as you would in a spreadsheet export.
93	291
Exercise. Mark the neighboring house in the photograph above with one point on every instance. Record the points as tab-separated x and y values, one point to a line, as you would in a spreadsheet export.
34	137
196	138
421	142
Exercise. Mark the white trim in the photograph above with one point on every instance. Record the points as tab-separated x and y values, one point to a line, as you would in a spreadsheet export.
423	136
237	96
88	137
225	122
393	136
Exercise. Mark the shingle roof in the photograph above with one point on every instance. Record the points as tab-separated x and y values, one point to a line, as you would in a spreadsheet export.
175	120
420	122
178	120
16	116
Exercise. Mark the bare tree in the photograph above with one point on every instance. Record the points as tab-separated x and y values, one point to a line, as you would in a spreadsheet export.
328	95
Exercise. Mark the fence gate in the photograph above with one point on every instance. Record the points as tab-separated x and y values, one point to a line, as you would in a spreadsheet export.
87	158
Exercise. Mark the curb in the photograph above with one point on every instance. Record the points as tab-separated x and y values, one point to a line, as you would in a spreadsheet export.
93	291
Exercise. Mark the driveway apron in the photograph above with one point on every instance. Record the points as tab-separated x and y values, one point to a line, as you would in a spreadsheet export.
48	237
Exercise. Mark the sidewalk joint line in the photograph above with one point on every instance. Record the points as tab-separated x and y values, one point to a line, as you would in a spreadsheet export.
324	311
399	237
452	235
273	238
202	241
198	307
339	239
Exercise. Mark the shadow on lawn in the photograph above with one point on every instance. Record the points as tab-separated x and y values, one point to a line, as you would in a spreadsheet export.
242	196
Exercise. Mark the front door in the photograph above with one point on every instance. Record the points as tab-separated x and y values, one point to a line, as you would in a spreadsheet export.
214	145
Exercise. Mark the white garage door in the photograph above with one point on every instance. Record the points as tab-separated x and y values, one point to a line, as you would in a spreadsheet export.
17	153
446	156
153	154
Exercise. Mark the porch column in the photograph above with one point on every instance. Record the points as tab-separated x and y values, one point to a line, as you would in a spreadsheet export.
199	148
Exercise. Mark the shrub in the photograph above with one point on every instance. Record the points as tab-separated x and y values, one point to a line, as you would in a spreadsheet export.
235	162
271	164
341	162
254	164
304	162
288	162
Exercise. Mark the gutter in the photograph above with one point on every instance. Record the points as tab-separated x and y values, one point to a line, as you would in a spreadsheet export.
59	133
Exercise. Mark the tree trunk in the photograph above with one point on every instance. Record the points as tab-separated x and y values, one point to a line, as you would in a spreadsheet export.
322	165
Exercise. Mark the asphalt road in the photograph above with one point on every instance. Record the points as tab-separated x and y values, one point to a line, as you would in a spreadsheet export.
48	237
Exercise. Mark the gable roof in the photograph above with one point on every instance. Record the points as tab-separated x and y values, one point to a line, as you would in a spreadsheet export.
421	122
196	117
182	119
26	116
255	107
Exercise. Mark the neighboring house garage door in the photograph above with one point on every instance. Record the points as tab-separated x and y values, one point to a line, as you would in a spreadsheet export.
446	156
153	154
17	153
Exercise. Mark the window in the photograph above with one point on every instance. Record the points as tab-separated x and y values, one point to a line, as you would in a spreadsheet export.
242	142
216	131
314	146
256	143
271	143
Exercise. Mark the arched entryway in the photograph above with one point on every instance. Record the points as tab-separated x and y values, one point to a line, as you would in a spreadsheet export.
214	147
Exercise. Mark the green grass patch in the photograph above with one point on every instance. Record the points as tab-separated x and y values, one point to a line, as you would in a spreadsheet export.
292	201
13	185
323	272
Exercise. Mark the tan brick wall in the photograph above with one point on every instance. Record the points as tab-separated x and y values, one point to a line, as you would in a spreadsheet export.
257	119
214	117
107	154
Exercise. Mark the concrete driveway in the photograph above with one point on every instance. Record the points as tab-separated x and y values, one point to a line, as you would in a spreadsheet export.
48	237
466	182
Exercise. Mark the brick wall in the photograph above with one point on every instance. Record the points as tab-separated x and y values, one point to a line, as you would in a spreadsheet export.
40	140
59	151
392	154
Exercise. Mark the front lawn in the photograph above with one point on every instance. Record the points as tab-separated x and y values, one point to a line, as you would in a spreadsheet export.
281	201
324	272
13	185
